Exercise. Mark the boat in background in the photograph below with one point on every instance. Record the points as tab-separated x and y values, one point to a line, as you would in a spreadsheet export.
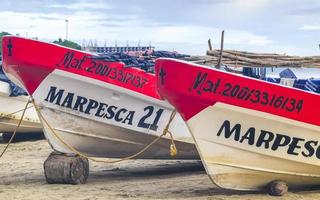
100	108
13	99
249	132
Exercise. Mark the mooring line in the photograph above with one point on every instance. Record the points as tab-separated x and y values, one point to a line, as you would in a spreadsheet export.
16	129
7	115
173	148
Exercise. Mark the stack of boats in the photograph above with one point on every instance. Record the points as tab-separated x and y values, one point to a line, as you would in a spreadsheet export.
248	132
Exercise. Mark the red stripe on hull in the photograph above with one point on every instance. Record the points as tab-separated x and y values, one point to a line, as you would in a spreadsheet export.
30	61
191	88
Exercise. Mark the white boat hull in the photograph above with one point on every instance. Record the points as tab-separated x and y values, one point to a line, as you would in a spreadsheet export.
93	132
236	157
9	105
250	134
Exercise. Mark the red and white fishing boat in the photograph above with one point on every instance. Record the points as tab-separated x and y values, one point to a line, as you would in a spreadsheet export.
102	109
248	132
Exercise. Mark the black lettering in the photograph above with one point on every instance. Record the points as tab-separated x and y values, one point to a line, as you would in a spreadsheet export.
53	96
93	66
116	117
199	81
66	61
291	106
120	75
308	146
257	95
124	77
299	106
209	86
227	132
243	93
115	72
100	109
249	135
216	86
280	141
80	103
134	78
110	112
104	70
318	152
138	80
142	122
235	90
129	118
75	63
144	81
91	105
154	125
265	98
129	78
265	137
81	62
227	89
99	68
68	100
108	71
294	145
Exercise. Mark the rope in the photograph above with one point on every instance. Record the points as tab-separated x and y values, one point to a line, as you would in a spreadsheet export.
173	149
7	115
15	131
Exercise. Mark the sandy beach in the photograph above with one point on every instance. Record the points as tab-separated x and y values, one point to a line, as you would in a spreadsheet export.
22	177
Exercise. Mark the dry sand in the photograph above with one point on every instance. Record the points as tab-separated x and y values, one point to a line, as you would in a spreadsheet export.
22	177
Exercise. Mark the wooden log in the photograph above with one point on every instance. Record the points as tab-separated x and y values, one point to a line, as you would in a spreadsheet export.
267	60
240	61
217	51
277	188
263	55
210	45
63	169
221	51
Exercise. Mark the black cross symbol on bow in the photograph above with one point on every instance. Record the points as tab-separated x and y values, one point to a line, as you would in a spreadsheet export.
162	74
10	46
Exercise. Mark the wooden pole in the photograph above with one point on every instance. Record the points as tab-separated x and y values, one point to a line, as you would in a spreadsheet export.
210	45
221	51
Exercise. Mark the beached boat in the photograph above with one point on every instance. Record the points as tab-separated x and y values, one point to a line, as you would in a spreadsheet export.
248	132
101	109
11	102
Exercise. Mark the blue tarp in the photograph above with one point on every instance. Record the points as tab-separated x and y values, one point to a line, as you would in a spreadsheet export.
312	85
146	62
287	73
14	89
129	61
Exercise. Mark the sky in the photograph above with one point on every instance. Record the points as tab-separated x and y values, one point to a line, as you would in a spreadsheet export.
277	26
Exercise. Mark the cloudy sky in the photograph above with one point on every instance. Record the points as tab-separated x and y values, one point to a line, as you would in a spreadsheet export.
283	26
